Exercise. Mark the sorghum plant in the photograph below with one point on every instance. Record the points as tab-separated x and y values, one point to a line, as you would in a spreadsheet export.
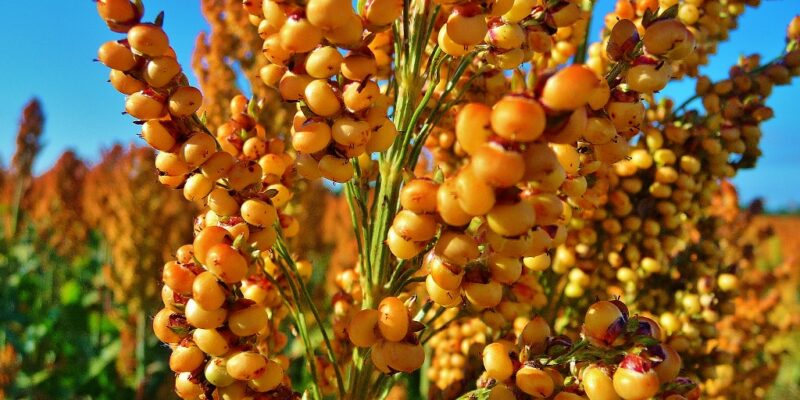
494	194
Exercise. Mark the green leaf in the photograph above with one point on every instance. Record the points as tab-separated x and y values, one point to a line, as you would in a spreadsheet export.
669	13
633	324
239	241
647	19
477	394
438	175
646	340
70	292
518	82
91	297
102	361
26	381
159	21
252	107
271	193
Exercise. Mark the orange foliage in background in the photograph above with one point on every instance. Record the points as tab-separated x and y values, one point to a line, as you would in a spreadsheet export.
311	211
17	180
223	51
764	310
30	130
137	218
141	221
54	202
8	366
338	232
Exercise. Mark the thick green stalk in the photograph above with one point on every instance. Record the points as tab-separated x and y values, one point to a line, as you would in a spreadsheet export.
406	116
434	64
386	207
411	35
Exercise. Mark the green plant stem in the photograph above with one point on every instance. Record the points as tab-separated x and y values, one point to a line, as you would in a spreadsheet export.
406	29
300	325
409	281
398	271
441	328
413	116
302	330
354	377
364	269
477	394
405	274
580	54
435	316
685	104
622	66
436	114
362	200
423	311
383	385
553	314
16	207
409	84
577	346
390	168
141	346
363	388
696	96
283	251
434	63
386	208
203	126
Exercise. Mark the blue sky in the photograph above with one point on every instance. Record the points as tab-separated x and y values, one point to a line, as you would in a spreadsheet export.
47	49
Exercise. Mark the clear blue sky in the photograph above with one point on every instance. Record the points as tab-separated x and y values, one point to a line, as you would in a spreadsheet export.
47	49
